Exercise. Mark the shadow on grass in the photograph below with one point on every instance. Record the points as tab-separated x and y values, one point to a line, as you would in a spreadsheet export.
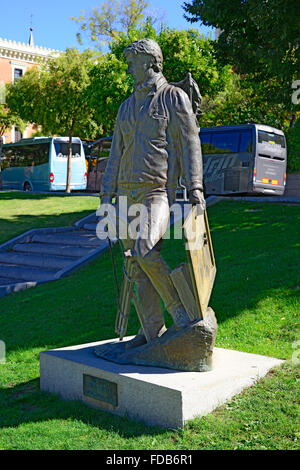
46	212
22	223
81	308
257	256
25	403
11	195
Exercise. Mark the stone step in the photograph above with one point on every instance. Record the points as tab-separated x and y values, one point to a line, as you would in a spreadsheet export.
26	273
29	259
51	249
82	240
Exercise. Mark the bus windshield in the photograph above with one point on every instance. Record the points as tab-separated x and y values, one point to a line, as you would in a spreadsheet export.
271	138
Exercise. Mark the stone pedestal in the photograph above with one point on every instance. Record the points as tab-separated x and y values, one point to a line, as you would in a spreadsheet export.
157	396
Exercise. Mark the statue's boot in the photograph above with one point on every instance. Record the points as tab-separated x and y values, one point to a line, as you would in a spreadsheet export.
140	338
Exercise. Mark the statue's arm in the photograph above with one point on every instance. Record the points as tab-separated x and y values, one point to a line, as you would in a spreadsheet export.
185	132
109	186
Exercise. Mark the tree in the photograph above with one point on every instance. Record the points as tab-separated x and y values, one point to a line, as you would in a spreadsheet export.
239	102
112	19
7	120
57	97
260	37
293	147
183	51
227	99
228	96
256	33
189	51
111	86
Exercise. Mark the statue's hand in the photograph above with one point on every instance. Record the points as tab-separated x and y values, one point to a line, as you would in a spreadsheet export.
196	197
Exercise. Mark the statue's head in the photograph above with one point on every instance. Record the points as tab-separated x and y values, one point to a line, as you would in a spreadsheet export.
143	57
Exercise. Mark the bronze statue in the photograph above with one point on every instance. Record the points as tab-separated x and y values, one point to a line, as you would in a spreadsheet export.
156	140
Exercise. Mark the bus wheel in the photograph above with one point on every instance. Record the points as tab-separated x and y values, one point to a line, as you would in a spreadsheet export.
27	187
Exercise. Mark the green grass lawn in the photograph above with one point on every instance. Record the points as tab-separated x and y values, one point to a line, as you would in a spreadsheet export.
20	212
257	302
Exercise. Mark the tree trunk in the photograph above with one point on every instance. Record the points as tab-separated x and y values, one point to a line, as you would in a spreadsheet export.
293	119
69	163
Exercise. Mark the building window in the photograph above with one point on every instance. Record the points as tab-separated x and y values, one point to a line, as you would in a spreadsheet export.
17	74
18	134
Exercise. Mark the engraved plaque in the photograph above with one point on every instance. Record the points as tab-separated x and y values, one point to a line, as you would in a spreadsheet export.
100	389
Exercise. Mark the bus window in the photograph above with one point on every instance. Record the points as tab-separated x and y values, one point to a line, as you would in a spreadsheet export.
235	159
271	138
246	141
225	142
24	155
61	149
41	154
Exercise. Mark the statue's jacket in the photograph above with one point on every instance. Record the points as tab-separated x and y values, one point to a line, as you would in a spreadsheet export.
154	144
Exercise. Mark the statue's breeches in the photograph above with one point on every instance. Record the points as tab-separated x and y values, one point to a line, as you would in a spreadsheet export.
146	247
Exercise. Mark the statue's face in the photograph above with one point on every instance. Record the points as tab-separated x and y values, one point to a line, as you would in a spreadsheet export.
138	67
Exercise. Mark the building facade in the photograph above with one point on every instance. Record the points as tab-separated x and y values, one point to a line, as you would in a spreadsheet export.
15	59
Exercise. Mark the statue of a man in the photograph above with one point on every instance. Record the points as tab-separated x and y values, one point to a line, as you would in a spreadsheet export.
156	140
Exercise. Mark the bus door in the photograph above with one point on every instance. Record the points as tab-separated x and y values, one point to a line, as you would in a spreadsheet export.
270	162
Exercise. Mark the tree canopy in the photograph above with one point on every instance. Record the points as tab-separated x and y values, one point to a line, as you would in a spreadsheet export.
8	119
113	19
259	37
57	97
254	34
80	93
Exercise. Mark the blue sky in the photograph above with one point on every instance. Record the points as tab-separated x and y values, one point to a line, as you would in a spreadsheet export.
53	27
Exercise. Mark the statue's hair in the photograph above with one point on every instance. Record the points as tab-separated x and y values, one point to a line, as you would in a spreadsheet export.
146	46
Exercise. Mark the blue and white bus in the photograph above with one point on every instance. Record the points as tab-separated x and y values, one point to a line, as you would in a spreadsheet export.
243	159
248	159
40	164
